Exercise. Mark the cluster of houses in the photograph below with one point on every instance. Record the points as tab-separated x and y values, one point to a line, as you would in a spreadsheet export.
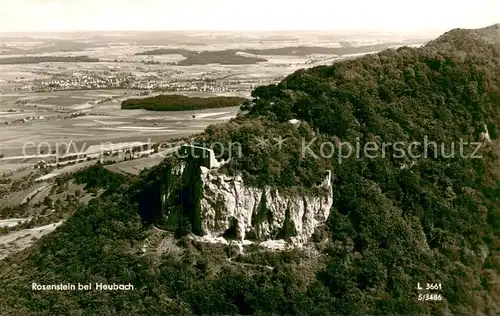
23	120
124	151
78	81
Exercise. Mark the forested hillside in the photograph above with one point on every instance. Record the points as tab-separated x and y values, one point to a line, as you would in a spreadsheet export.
396	221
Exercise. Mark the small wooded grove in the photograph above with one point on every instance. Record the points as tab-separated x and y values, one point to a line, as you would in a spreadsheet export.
174	102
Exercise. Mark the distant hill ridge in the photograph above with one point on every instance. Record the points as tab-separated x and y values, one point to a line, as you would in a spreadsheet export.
468	39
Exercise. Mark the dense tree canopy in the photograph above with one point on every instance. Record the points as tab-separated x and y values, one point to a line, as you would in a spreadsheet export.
174	102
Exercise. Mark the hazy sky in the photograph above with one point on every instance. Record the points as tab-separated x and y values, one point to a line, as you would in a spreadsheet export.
66	15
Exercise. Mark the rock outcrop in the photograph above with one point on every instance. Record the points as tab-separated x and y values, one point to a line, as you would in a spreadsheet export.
230	208
217	207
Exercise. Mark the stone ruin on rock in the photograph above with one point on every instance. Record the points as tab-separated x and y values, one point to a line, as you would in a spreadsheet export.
227	209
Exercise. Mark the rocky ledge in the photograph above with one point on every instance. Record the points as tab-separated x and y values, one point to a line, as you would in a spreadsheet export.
229	208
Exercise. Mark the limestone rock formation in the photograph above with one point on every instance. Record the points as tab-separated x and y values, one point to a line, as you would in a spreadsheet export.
228	206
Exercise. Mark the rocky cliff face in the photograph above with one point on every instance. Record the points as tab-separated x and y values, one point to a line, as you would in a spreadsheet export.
230	208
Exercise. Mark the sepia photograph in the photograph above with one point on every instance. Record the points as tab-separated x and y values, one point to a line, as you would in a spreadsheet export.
217	157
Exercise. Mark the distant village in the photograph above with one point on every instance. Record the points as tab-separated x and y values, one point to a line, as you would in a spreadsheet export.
143	82
87	81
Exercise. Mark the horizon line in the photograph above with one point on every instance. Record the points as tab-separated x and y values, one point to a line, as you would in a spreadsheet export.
371	30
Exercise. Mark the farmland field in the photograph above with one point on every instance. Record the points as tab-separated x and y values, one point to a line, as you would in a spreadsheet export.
111	125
